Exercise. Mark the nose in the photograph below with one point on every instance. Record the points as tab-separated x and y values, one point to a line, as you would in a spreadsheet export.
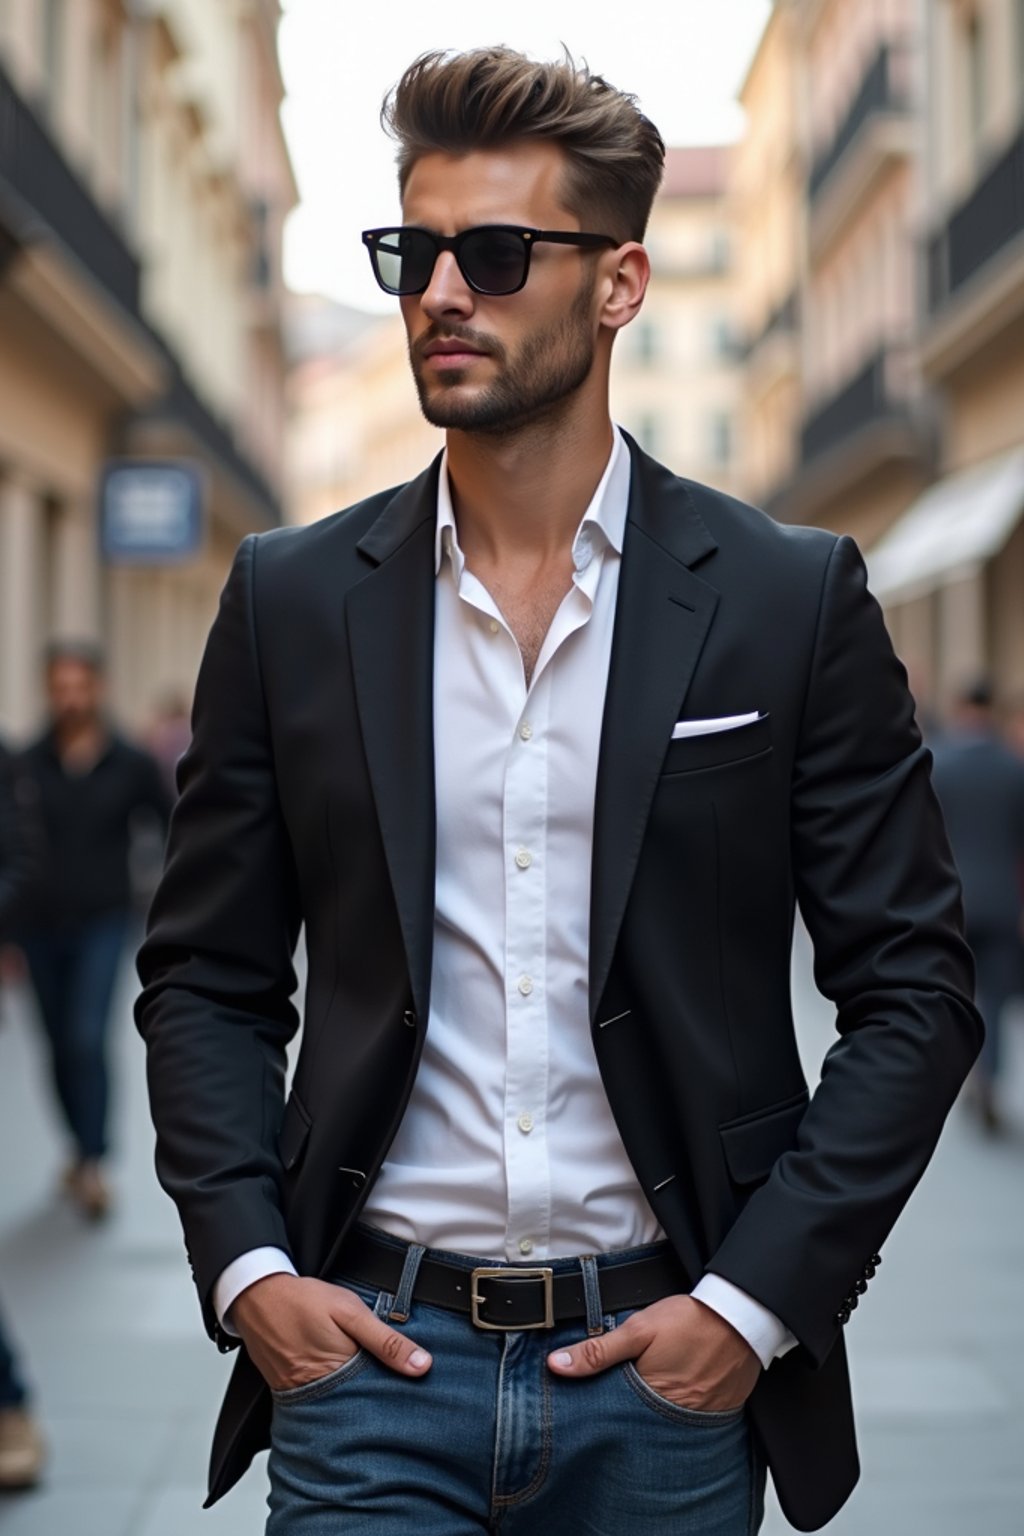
447	293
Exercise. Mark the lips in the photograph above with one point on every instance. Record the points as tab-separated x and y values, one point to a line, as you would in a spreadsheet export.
454	349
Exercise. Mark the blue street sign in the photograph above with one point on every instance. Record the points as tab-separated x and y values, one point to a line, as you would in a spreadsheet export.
150	512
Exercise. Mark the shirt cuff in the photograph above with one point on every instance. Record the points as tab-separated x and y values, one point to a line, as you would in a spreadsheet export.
243	1272
769	1338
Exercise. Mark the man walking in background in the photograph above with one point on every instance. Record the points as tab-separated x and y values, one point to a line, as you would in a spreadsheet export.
542	748
21	1444
88	786
980	784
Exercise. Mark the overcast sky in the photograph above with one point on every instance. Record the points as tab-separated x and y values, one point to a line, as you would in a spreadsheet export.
683	59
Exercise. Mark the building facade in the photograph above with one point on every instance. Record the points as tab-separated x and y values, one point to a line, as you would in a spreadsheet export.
144	181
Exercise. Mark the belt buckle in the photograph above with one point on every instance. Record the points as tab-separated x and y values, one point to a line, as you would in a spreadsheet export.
508	1272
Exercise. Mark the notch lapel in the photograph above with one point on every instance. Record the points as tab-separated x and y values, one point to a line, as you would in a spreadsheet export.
663	615
390	619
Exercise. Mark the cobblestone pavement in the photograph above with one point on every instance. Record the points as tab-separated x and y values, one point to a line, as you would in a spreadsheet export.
128	1385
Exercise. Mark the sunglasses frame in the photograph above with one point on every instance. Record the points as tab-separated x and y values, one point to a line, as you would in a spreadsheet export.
454	243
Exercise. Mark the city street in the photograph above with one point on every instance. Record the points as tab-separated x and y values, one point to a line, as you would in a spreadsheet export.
128	1384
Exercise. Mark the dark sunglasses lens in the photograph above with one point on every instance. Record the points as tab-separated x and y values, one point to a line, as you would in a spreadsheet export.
403	260
493	260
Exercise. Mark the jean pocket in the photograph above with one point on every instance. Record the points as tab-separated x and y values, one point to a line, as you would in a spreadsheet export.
708	1418
320	1386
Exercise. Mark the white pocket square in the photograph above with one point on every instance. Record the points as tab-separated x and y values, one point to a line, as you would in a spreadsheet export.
707	727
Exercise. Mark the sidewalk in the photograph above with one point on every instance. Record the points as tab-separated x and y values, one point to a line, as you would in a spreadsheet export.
128	1385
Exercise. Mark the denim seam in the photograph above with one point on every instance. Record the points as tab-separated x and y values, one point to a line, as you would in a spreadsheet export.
505	1501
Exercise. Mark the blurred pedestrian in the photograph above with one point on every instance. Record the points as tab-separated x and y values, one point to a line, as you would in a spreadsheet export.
21	1443
980	784
89	787
169	735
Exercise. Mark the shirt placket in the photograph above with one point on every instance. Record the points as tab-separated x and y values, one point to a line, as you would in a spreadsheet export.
526	979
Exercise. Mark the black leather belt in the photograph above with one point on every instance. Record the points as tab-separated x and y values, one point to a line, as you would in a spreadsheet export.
512	1296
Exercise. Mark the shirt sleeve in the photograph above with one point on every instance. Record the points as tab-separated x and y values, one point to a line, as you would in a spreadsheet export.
244	1271
769	1338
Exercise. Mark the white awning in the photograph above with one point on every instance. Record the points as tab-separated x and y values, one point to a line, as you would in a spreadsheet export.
950	531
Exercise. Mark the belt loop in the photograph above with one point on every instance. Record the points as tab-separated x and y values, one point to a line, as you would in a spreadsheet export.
592	1295
402	1306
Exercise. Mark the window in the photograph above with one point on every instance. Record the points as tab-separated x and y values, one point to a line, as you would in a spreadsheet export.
645	343
648	433
721	438
723	344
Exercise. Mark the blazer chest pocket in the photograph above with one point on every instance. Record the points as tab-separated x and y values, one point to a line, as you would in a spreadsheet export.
754	1143
719	749
294	1132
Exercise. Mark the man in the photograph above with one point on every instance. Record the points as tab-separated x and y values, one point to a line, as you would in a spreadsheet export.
22	1451
89	788
980	784
540	748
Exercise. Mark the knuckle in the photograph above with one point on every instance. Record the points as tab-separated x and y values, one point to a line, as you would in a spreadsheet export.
593	1353
391	1346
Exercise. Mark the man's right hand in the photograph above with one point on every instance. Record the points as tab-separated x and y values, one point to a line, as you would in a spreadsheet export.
298	1330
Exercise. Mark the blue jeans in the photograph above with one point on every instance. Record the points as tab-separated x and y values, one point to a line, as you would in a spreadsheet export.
12	1388
74	968
490	1441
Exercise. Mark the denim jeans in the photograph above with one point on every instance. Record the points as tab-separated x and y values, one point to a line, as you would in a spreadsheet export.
491	1441
12	1388
73	969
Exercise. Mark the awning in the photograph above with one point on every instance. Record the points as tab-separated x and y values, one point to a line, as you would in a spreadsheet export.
950	531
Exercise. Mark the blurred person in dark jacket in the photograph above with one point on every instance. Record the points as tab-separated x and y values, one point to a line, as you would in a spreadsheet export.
21	1444
90	787
980	784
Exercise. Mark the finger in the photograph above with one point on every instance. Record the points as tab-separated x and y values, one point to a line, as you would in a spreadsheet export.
391	1348
597	1354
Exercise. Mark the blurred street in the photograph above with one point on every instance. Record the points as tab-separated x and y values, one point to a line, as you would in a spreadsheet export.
128	1385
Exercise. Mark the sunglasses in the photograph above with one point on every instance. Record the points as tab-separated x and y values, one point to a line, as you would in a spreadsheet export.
493	258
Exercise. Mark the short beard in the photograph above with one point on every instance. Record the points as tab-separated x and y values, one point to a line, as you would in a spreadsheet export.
538	383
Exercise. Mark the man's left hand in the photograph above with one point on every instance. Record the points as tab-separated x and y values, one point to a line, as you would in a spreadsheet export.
684	1351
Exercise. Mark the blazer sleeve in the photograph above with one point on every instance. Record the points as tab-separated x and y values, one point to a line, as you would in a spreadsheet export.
878	890
216	964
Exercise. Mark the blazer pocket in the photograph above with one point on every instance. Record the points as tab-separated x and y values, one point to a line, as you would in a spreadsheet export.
295	1127
754	1143
718	749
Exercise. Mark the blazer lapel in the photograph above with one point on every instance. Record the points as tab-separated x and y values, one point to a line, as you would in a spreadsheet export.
662	618
390	618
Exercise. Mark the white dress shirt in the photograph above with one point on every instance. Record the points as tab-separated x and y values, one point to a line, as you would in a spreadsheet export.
508	1148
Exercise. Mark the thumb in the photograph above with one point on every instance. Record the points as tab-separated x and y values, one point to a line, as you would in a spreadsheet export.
391	1348
597	1354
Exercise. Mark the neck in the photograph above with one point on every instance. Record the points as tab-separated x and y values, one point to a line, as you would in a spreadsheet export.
524	495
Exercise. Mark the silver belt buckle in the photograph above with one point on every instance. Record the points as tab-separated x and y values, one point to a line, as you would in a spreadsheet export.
508	1272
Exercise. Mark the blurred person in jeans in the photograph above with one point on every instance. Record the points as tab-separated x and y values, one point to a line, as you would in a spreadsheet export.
89	786
980	784
21	1444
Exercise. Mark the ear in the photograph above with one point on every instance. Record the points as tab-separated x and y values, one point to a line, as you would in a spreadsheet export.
625	285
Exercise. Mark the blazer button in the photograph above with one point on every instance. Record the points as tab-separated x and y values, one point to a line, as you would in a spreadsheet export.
875	1259
869	1271
409	1018
842	1316
860	1287
853	1302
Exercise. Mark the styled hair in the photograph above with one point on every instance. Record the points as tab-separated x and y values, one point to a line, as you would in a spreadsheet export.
85	652
456	103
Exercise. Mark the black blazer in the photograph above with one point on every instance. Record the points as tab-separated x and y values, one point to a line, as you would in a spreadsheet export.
307	796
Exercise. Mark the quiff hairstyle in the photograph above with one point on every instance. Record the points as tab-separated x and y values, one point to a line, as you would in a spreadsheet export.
456	103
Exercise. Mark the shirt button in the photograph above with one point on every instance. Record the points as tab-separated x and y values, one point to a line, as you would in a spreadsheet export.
524	858
526	1245
525	1122
494	626
525	985
526	730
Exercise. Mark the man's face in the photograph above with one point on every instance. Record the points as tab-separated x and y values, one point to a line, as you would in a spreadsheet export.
75	692
527	353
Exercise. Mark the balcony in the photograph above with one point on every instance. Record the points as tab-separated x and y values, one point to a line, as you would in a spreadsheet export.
883	89
986	222
876	134
783	321
34	170
868	399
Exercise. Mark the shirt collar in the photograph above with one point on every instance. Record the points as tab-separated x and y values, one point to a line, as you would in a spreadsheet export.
602	526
